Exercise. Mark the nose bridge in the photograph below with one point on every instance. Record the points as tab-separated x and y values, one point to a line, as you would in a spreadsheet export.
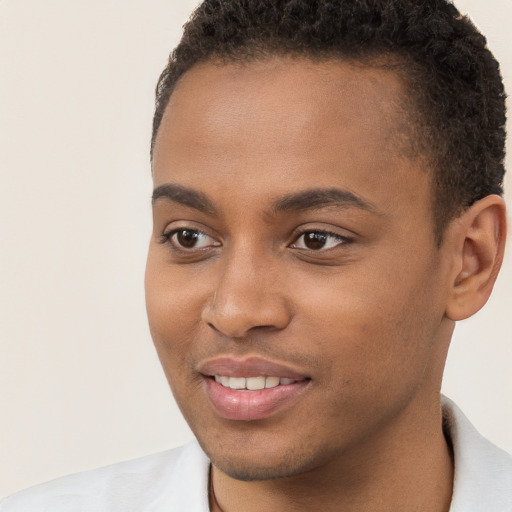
248	294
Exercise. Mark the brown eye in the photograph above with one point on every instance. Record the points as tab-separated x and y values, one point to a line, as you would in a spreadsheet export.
184	238
187	238
318	240
315	241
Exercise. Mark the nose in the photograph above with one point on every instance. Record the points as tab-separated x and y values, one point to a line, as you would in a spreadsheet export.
248	296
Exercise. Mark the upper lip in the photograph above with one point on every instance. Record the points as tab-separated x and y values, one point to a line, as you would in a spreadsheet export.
248	367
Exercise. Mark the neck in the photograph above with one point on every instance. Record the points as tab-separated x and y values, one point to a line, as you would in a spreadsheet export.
408	468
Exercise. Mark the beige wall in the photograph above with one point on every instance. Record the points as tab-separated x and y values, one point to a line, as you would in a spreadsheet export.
80	385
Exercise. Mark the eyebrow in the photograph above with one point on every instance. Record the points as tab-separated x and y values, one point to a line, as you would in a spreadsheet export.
184	196
305	200
318	198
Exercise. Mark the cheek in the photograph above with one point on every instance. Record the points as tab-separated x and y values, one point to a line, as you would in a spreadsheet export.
169	303
173	306
374	330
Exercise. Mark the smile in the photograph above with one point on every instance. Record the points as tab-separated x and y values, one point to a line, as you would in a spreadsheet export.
252	383
251	388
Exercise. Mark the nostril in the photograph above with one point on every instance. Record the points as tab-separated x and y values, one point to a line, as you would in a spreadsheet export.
237	320
241	335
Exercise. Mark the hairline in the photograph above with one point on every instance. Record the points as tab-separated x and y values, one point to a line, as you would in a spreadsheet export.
410	119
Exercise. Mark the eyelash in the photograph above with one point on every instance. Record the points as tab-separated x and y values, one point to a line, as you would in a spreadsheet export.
167	238
341	240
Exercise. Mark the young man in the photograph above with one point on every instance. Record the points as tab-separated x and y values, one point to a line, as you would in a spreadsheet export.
327	182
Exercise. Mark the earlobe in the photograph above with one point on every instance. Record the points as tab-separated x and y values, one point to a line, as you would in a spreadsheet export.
479	236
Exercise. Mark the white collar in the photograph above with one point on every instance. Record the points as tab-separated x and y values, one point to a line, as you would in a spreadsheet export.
483	472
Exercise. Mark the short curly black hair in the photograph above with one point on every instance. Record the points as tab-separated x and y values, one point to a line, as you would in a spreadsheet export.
452	78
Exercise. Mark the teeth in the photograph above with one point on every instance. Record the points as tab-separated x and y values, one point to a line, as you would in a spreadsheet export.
254	383
251	383
271	382
237	382
222	379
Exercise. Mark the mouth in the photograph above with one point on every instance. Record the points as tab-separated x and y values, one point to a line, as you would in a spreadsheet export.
251	389
252	383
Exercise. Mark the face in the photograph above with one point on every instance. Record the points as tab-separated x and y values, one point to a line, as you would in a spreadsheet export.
294	289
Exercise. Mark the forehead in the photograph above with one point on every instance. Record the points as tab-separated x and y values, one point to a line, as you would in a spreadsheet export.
288	123
288	93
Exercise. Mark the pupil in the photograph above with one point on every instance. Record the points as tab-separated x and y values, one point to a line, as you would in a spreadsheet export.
187	238
314	240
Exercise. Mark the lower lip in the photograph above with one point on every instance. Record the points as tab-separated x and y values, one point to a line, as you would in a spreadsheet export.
243	405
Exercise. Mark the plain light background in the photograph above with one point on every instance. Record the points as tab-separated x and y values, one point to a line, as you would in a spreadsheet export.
80	384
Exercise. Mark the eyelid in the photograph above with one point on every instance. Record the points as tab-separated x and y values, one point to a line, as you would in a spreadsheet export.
167	235
343	239
186	224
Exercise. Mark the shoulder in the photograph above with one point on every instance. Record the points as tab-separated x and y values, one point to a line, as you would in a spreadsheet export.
167	481
483	472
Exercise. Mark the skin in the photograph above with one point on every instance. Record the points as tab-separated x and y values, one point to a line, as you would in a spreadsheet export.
367	317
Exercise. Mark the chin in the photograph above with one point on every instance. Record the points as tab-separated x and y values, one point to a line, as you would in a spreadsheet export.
246	474
253	471
246	465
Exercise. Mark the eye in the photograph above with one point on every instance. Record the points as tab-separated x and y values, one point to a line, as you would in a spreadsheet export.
184	239
318	240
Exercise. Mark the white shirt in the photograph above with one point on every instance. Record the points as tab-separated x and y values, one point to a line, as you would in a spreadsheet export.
177	480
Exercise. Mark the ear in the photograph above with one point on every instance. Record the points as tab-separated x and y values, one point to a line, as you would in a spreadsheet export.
478	240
